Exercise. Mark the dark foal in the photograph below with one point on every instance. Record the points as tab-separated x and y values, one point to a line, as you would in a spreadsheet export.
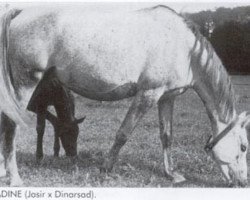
51	92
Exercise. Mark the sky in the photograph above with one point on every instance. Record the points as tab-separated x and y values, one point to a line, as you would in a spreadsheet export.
178	5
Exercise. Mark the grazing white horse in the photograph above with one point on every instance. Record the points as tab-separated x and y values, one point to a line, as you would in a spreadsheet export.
152	54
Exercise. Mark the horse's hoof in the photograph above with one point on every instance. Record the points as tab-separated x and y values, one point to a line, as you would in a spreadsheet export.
106	167
168	176
103	169
74	160
231	185
75	169
39	160
175	177
16	182
178	178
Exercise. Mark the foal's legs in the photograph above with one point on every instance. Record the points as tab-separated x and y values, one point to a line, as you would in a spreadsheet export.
54	121
56	145
8	128
41	116
165	108
143	101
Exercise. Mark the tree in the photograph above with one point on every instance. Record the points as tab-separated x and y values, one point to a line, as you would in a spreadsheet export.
231	41
230	35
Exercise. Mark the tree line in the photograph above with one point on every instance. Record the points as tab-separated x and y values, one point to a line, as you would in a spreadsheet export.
228	30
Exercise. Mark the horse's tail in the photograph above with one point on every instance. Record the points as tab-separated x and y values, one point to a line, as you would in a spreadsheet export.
8	98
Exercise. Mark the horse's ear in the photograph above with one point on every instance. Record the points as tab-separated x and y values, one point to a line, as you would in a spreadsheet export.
78	121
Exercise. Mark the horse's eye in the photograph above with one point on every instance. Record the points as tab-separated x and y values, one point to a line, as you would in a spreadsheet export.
243	148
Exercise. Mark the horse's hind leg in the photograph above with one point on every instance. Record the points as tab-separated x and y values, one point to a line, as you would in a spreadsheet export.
8	128
165	108
2	160
143	101
2	165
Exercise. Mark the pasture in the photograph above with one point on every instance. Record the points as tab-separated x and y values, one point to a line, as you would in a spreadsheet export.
140	162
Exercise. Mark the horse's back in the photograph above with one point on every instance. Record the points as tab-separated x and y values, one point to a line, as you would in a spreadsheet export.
103	50
124	47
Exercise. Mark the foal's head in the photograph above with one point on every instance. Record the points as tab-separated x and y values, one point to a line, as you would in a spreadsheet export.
68	133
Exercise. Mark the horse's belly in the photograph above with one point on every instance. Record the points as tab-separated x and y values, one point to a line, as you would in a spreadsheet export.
113	93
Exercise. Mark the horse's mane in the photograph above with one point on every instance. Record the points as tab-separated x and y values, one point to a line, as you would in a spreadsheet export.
214	74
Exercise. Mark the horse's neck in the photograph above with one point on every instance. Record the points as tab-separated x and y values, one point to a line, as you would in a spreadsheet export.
214	108
64	113
214	87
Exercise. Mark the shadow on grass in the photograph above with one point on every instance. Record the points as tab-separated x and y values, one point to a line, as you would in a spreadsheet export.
200	182
192	181
94	159
85	159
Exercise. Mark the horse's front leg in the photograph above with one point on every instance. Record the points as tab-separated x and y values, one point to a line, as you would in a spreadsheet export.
40	127
143	101
165	109
8	128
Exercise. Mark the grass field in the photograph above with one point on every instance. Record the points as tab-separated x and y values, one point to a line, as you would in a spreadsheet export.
140	162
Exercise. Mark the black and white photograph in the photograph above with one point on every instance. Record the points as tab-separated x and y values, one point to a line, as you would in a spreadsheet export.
124	95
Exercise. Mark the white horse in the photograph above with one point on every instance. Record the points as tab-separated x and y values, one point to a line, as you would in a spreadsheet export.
152	54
